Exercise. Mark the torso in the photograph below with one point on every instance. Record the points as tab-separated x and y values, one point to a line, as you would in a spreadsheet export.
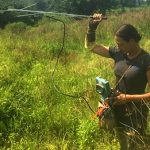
133	82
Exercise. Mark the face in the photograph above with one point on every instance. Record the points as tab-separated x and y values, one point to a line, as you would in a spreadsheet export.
123	45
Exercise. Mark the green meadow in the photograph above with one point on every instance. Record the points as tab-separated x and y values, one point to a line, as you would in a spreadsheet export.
34	113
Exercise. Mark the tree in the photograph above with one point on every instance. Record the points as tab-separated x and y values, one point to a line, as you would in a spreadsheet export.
7	17
148	2
41	4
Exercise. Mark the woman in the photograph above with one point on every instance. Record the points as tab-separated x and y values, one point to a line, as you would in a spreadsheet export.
132	71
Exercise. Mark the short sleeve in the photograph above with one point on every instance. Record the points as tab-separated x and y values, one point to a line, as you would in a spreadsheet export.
147	62
113	52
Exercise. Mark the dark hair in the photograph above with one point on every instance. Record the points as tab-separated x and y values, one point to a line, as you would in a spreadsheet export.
127	32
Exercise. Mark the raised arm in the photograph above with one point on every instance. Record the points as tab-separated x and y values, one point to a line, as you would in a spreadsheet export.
90	37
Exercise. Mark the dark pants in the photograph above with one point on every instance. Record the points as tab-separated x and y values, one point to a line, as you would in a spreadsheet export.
131	123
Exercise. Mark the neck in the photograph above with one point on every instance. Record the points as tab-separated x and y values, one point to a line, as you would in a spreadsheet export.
134	52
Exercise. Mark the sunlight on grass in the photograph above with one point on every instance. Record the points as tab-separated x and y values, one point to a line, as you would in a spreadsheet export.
33	114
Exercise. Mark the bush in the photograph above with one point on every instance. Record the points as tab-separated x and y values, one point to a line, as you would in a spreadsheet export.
16	28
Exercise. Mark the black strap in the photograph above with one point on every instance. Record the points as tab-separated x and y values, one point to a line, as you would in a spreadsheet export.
122	76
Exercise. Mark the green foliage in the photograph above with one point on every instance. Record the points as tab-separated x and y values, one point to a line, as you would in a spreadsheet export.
92	137
85	7
33	114
147	45
16	28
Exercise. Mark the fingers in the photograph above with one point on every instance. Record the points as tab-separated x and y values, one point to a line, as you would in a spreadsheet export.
120	99
97	17
94	22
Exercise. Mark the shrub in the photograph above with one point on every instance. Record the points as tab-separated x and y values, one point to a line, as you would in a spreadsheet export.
17	27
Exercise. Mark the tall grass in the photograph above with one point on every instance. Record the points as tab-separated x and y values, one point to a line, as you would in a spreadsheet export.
33	114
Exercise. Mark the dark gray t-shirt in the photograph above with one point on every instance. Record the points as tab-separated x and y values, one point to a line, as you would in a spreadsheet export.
133	82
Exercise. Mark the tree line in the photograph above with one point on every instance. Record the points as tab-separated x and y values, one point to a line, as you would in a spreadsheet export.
85	7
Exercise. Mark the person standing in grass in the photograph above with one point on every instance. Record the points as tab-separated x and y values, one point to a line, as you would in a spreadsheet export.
132	72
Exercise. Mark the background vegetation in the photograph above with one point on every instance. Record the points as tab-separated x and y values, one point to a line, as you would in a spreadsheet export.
84	7
33	115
